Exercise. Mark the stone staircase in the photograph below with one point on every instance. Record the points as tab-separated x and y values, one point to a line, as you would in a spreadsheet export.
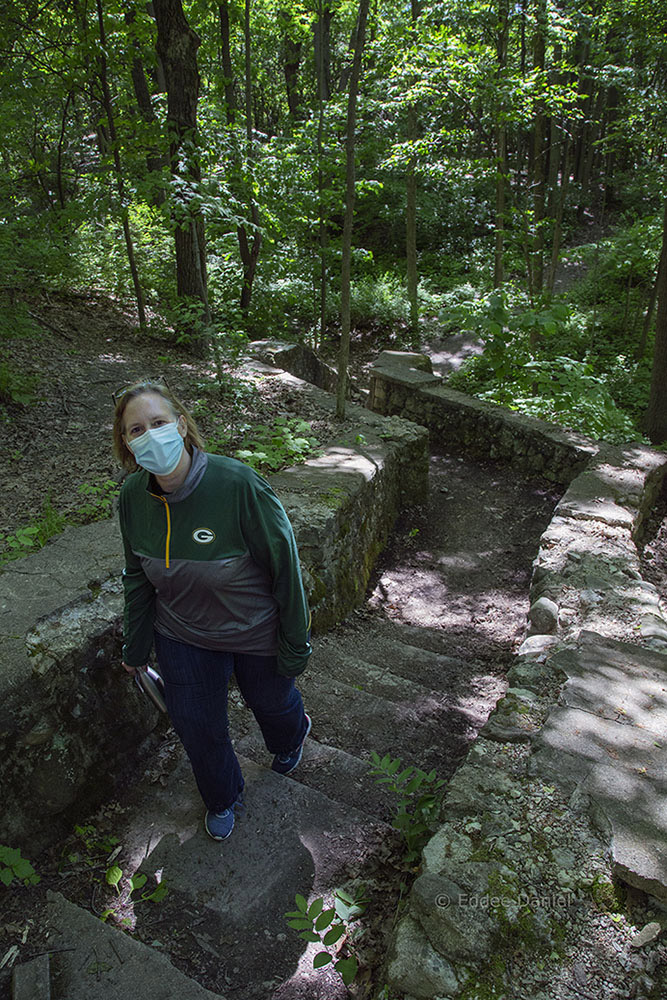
376	683
326	827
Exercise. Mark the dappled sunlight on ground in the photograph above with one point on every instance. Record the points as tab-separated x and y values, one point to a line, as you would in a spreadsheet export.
447	355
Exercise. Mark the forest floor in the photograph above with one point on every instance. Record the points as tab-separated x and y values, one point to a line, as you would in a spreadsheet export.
50	449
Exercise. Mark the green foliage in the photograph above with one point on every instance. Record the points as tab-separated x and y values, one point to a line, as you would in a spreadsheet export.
114	875
522	368
285	301
606	895
60	212
13	866
90	846
33	535
15	386
99	500
34	251
567	392
329	927
379	302
418	802
16	321
50	522
269	448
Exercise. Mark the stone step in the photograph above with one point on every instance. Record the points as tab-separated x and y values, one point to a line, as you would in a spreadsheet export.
31	980
419	655
345	716
395	670
373	694
92	961
330	770
229	899
380	679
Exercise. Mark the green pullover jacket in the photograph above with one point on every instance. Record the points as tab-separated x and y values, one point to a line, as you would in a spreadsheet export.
213	564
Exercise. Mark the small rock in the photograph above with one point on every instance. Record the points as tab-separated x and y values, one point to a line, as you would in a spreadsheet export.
580	973
544	615
564	857
589	598
646	935
644	986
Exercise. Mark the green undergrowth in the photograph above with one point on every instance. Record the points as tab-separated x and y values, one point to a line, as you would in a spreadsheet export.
34	535
270	447
14	867
540	361
337	925
581	358
95	505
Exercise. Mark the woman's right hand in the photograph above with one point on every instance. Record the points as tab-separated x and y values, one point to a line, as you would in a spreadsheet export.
132	670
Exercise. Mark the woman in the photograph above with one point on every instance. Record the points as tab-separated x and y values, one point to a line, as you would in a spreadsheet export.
212	579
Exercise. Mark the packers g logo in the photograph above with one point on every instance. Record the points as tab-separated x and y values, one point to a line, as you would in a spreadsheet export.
203	535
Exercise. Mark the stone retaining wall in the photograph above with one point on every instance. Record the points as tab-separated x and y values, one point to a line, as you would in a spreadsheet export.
486	885
70	718
403	384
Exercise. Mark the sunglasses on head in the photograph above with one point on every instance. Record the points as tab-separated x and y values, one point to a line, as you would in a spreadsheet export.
160	383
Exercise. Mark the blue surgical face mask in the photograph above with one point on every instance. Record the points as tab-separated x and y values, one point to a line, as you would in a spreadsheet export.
158	449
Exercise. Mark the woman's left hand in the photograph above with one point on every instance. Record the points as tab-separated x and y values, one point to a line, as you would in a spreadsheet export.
132	670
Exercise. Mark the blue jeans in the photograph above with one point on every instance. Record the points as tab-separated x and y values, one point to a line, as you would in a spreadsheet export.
195	690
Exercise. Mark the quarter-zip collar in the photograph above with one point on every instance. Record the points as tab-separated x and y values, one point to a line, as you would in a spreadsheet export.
187	487
190	483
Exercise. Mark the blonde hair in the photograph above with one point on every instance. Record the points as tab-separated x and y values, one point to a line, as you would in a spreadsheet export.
193	438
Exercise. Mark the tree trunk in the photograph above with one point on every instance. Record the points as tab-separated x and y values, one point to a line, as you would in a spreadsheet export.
588	154
249	252
538	158
556	140
177	46
501	149
227	68
344	353
656	417
323	94
155	160
322	43
108	108
558	220
411	211
584	88
411	232
648	319
291	64
61	147
160	78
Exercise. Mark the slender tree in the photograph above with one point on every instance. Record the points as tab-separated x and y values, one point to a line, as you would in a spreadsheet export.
250	250
502	35
350	175
656	416
177	46
321	39
155	158
538	159
231	104
411	205
118	169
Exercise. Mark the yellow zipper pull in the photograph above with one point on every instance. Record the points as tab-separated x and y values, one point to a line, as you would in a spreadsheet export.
167	512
